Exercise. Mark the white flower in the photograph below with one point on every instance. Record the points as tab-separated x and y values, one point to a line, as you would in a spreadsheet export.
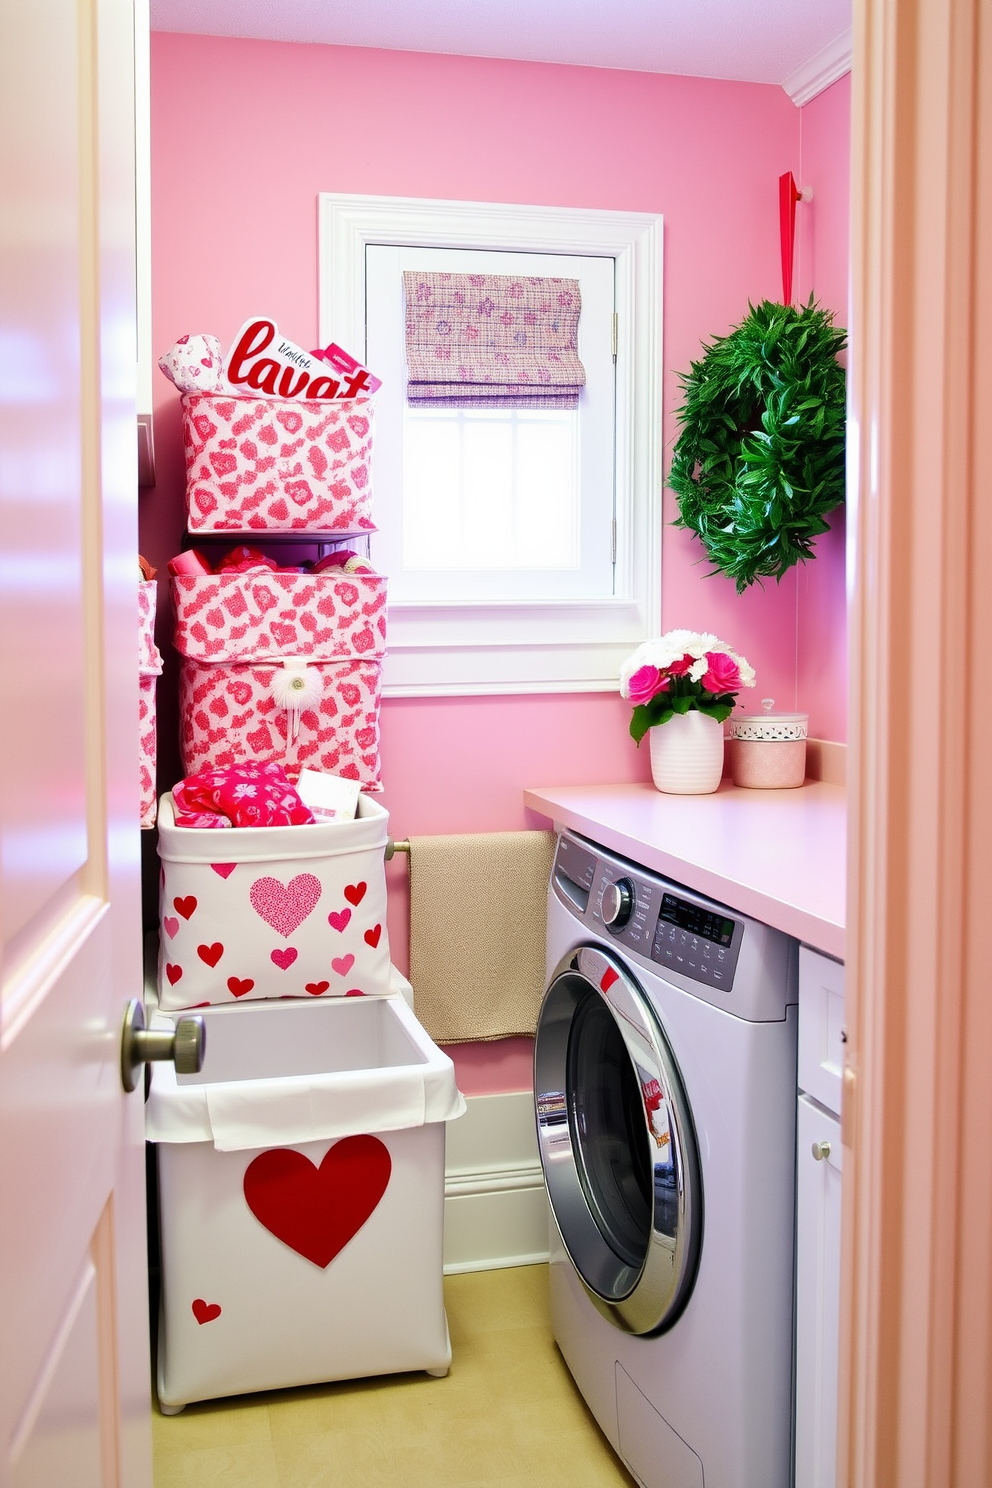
671	647
241	791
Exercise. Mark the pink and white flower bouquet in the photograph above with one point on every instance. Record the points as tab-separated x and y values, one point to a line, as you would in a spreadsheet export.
682	670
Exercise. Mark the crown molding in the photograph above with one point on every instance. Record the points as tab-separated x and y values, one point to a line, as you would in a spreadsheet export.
823	68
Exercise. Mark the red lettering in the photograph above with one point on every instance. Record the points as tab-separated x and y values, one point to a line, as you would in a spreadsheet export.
356	383
286	390
263	376
249	346
323	387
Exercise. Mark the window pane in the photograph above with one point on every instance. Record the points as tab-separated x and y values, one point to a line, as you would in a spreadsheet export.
490	489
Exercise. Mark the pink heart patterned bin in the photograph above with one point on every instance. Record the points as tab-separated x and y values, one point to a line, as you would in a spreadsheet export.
273	912
149	671
235	633
277	465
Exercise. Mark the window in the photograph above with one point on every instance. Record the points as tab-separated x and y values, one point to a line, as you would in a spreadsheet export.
522	545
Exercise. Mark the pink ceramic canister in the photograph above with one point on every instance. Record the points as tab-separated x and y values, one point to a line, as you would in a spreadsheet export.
768	750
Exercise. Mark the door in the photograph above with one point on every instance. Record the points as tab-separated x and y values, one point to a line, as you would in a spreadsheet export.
617	1143
74	1367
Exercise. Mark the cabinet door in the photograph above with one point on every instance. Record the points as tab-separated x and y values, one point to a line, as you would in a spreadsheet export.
817	1295
821	1027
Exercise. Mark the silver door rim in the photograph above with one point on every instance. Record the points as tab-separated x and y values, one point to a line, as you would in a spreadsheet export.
649	1297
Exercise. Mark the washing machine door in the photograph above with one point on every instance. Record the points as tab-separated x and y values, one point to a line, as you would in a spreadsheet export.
617	1142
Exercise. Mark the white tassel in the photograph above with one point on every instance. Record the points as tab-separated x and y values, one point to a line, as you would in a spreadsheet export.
296	687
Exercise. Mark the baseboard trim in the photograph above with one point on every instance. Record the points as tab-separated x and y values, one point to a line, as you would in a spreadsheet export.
498	1263
495	1202
493	1181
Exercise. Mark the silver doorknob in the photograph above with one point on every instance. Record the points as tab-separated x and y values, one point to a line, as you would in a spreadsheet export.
185	1044
821	1150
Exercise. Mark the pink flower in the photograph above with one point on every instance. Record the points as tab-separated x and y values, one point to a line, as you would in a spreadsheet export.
679	668
722	674
645	683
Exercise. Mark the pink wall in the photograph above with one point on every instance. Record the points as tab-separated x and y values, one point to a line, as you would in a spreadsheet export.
824	257
244	136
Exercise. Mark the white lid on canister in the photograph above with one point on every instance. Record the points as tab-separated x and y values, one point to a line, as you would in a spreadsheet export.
769	726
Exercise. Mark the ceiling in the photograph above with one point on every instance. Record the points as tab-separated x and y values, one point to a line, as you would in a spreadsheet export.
802	44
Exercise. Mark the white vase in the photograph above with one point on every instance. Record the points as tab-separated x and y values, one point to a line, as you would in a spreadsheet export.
687	754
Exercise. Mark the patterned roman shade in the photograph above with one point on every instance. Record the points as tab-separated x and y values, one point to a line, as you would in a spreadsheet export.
492	341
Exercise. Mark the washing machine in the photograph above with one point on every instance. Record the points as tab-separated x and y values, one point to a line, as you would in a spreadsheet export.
665	1091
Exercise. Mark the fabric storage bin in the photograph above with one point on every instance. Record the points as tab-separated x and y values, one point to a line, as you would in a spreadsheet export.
301	1199
267	464
263	912
149	671
236	630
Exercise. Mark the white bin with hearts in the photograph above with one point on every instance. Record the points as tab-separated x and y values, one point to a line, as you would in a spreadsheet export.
272	912
301	1198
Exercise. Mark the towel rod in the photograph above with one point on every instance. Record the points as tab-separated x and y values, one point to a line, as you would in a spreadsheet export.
392	847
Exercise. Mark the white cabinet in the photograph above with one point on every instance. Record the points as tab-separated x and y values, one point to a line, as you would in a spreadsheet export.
817	1295
818	1188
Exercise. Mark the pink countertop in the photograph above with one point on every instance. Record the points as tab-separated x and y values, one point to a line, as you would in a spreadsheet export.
777	855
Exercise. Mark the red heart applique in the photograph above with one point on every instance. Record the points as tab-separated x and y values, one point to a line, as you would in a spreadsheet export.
284	959
239	988
338	918
173	973
371	937
355	893
317	988
285	906
211	954
316	1211
205	1312
186	906
354	992
343	964
171	926
224	869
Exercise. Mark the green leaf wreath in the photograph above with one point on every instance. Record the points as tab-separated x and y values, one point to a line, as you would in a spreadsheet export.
760	457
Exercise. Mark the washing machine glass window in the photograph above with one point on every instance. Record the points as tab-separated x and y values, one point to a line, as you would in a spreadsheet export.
617	1143
609	1139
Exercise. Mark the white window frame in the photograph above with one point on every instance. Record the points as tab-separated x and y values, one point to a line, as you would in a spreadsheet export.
556	646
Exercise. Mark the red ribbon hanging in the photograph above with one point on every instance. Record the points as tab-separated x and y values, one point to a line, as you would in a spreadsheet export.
788	195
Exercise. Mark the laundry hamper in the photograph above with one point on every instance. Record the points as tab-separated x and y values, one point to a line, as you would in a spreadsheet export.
270	912
149	671
301	1199
237	631
277	465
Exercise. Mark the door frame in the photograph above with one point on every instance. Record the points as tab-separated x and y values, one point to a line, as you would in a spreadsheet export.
916	1346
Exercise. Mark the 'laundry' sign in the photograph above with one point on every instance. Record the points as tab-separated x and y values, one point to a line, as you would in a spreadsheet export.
265	362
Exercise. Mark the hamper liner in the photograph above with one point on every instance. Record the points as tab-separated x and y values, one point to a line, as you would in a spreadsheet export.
234	631
301	1199
263	912
268	464
149	671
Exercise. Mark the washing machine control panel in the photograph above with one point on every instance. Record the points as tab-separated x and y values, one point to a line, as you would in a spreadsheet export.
619	898
699	942
650	915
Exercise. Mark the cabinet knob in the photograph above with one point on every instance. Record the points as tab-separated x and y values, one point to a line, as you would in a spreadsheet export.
821	1150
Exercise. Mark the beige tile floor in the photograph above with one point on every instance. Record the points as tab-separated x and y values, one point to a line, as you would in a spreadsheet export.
508	1414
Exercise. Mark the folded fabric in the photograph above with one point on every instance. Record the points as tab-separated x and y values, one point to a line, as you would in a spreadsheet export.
203	819
243	559
250	794
309	1108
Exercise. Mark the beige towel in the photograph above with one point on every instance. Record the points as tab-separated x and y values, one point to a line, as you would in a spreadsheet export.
478	915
